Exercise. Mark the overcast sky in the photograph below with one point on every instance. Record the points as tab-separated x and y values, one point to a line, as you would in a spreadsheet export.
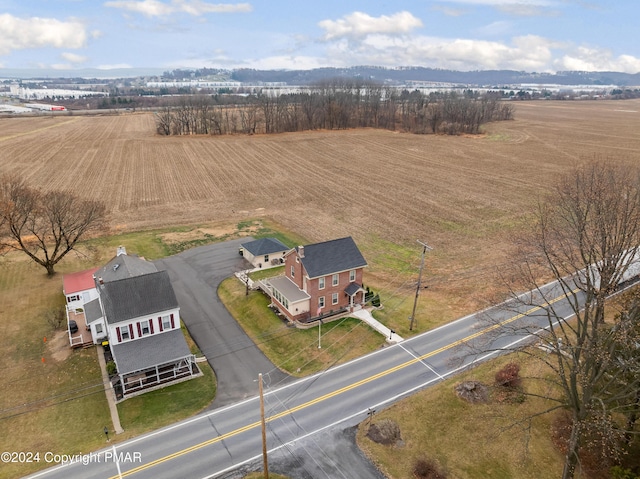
530	35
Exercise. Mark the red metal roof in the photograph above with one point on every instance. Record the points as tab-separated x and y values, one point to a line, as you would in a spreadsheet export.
80	281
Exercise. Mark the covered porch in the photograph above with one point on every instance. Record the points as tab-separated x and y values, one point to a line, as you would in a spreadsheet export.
289	299
152	362
352	292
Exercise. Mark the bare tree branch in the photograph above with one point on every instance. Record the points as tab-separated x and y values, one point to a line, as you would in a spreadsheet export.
45	226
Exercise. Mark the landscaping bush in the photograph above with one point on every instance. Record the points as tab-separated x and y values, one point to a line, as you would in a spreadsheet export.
508	376
111	368
375	301
424	468
385	432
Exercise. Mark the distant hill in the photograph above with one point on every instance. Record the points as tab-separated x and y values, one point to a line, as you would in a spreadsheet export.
391	76
420	74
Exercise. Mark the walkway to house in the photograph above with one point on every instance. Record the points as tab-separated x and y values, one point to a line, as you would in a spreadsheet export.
362	314
365	315
108	390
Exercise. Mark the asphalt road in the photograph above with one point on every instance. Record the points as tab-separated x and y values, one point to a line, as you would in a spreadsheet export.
195	275
309	419
302	412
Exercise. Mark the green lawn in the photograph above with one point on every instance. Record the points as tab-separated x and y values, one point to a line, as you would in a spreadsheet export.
296	350
164	406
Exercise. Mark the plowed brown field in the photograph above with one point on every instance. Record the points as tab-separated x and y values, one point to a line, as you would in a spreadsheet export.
463	195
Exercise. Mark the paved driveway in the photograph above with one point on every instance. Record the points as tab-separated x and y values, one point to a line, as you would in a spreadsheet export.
236	360
195	275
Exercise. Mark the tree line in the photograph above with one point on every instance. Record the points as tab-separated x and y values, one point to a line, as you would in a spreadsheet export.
331	105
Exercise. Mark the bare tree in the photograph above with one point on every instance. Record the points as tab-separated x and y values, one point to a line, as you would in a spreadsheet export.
45	226
164	118
586	238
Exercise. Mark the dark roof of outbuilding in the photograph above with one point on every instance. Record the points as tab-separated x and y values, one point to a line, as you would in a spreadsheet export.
130	298
321	259
264	246
150	351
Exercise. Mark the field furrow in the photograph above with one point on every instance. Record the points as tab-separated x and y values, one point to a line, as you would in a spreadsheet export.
463	194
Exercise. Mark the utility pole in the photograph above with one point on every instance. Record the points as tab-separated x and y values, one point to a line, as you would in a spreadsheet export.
425	248
265	463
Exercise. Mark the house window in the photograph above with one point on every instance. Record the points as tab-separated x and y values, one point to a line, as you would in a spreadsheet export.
352	275
321	302
334	298
124	333
75	297
266	258
321	283
145	328
99	328
335	279
166	322
293	271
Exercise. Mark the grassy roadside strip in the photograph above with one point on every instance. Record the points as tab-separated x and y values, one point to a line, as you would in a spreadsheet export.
470	441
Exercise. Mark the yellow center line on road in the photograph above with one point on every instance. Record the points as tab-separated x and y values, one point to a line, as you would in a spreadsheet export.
336	392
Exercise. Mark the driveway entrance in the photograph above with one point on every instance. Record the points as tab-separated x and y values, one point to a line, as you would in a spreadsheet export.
195	275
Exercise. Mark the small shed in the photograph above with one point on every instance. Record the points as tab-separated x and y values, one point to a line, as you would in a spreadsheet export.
264	252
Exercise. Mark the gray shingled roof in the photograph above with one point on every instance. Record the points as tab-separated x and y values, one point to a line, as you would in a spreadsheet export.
125	266
138	296
321	259
150	351
92	311
264	246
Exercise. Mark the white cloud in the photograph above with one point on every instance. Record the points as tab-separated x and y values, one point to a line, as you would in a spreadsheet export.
150	8
529	53
73	57
157	8
450	12
35	32
597	59
359	24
